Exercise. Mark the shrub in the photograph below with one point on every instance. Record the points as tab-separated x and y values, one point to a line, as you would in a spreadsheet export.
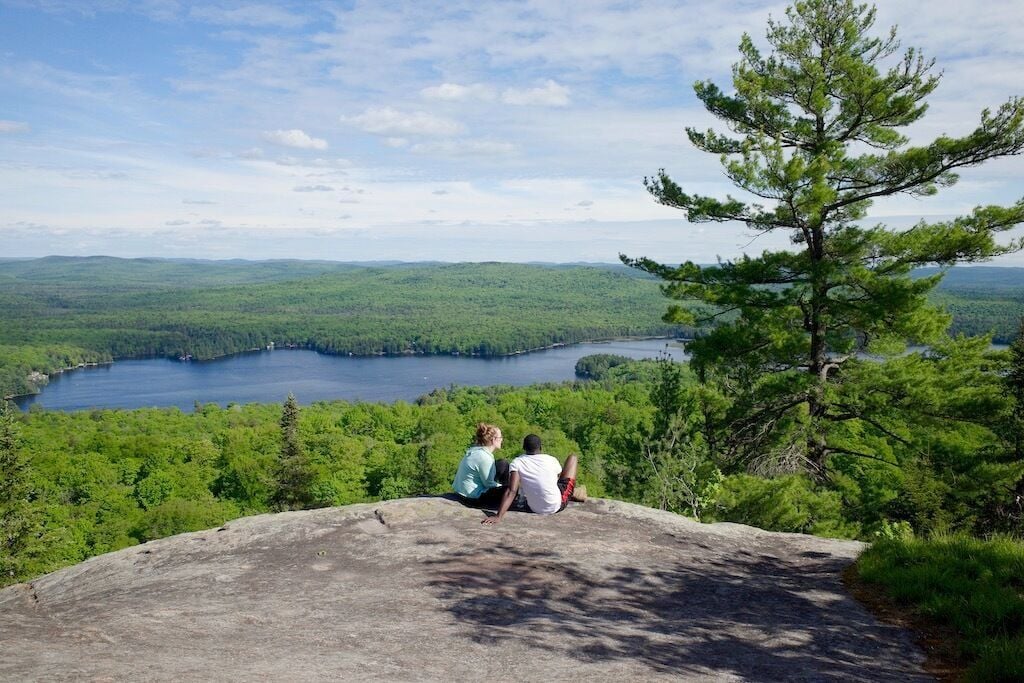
788	503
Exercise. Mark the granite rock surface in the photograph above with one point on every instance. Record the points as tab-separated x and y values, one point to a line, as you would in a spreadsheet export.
418	589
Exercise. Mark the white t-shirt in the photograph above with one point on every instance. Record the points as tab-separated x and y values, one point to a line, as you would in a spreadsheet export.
538	479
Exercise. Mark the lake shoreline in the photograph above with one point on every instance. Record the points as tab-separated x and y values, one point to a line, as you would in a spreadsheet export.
36	376
264	377
305	347
401	354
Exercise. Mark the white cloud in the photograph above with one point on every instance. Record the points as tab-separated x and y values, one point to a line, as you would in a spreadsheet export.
465	148
251	153
248	15
294	138
337	164
13	127
453	92
603	88
313	188
550	95
388	121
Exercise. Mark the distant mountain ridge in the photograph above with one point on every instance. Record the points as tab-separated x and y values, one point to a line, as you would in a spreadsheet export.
1003	277
205	272
961	275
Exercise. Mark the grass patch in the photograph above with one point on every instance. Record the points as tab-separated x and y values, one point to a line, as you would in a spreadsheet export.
973	586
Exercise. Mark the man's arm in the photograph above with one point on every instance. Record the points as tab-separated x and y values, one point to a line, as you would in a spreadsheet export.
506	499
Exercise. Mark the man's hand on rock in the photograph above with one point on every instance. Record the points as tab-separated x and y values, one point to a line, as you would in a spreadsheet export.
490	520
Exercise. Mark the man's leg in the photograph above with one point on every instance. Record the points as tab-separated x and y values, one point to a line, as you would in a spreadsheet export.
569	469
567	480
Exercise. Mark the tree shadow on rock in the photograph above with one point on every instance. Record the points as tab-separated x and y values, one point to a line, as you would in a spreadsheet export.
757	616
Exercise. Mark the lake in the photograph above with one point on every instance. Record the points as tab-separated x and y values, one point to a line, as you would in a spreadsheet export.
269	376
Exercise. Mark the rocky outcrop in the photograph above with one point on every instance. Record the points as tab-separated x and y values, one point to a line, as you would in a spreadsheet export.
418	589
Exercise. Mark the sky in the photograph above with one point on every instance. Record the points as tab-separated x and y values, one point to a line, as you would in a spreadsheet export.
449	131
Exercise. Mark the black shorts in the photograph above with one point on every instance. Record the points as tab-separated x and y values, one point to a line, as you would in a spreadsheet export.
491	498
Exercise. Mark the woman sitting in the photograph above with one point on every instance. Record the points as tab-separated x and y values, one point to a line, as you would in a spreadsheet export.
480	481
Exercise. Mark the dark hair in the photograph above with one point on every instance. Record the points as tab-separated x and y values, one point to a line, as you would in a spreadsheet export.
531	444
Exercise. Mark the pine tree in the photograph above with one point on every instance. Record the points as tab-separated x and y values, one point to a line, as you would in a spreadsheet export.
1015	388
294	473
814	137
427	478
290	446
15	515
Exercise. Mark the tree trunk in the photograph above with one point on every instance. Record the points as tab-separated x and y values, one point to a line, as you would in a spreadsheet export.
818	360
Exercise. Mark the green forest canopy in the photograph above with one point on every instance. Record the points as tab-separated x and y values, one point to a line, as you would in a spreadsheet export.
62	311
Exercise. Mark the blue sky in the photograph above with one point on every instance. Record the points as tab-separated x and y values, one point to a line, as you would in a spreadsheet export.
513	131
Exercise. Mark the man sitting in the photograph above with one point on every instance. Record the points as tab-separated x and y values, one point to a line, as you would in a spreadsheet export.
546	485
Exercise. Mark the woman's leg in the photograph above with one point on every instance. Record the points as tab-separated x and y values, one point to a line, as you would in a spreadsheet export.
501	471
491	498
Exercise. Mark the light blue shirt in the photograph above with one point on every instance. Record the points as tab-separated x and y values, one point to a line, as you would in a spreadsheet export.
475	474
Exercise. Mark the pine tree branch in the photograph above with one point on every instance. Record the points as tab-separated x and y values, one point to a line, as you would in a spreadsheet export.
859	454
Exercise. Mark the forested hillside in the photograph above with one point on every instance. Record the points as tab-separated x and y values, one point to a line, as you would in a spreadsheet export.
982	300
59	312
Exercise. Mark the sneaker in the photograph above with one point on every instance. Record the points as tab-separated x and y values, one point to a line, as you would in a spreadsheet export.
579	494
